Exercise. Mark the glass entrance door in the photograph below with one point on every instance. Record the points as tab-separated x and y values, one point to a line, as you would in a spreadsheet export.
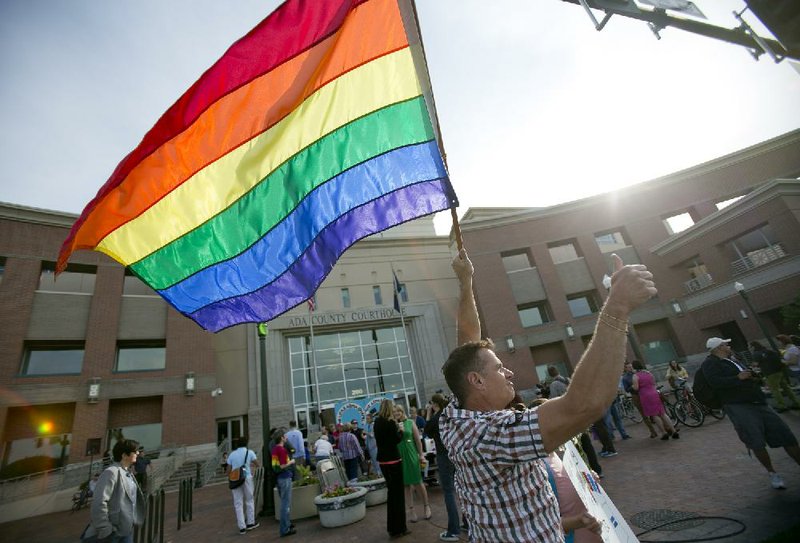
232	429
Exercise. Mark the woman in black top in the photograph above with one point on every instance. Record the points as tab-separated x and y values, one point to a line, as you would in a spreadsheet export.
387	435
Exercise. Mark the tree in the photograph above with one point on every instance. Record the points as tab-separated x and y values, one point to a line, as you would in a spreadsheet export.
790	314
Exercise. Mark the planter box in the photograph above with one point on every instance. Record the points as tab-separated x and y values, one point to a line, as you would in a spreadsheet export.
377	493
302	505
342	510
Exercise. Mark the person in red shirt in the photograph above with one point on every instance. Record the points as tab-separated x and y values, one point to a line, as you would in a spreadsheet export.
283	466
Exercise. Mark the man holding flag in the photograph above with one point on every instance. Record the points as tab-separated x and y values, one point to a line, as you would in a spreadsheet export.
498	453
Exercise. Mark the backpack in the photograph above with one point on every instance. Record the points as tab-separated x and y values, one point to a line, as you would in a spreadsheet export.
703	392
237	477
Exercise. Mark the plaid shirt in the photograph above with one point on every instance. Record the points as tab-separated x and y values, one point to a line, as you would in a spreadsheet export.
349	446
500	476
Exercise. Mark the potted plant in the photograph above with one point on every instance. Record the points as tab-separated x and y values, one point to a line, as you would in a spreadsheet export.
341	505
304	490
377	493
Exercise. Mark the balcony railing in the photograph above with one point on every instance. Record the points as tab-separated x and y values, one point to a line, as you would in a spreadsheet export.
757	258
698	283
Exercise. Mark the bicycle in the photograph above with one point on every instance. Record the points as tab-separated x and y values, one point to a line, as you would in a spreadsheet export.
684	395
680	413
627	410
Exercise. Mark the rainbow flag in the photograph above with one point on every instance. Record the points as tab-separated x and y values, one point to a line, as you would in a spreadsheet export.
311	132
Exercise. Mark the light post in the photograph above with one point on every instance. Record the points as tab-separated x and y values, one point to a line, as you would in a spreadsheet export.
632	340
269	507
743	293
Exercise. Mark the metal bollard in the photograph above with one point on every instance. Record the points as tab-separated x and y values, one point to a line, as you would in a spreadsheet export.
185	499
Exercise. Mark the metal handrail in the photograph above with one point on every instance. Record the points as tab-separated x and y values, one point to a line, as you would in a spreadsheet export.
209	467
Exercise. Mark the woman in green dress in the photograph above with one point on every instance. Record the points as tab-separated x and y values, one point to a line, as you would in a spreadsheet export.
411	453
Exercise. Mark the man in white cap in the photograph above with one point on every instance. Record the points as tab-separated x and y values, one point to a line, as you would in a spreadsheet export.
739	391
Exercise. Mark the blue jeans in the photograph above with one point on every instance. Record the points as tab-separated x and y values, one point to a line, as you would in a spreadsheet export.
285	492
446	473
122	538
612	413
351	468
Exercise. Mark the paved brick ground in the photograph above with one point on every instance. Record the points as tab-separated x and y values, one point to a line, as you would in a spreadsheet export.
706	472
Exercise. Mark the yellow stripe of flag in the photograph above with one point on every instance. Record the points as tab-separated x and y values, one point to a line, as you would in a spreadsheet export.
384	81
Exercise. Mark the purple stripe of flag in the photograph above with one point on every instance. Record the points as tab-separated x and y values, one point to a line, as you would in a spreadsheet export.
308	271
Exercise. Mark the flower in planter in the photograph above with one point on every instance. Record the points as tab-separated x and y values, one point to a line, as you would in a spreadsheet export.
305	477
336	491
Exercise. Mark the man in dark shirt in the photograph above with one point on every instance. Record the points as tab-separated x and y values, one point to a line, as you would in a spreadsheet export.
774	371
445	469
739	391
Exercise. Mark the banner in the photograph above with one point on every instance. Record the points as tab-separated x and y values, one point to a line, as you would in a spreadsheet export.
597	502
349	410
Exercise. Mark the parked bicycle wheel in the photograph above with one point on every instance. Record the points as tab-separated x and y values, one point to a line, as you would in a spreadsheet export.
629	411
718	414
690	413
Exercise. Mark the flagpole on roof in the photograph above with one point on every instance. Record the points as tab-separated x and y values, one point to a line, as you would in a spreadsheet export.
414	34
397	302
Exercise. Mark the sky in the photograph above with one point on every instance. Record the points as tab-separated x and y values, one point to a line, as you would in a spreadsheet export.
536	107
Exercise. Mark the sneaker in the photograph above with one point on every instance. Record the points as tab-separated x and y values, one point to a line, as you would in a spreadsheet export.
608	454
447	536
626	436
291	531
777	482
242	531
253	526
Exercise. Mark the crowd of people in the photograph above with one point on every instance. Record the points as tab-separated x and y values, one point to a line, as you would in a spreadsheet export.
497	460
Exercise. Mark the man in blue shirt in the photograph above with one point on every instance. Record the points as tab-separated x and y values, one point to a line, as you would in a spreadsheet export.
243	504
294	438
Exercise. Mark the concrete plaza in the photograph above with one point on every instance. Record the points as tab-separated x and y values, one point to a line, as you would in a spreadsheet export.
707	472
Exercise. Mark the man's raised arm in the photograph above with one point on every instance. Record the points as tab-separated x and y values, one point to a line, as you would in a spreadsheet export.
468	326
594	382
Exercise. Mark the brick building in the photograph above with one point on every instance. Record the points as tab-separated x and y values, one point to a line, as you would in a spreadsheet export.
96	354
539	271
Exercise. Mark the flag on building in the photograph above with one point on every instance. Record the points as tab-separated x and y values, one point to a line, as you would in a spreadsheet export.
312	304
314	130
397	291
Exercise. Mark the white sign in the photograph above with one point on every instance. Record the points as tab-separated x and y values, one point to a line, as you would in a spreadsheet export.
597	502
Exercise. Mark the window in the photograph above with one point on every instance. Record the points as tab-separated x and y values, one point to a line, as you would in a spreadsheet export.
35	454
77	278
582	304
376	294
402	292
564	252
533	314
678	223
141	356
349	365
148	435
2	267
133	286
516	260
609	242
46	358
345	298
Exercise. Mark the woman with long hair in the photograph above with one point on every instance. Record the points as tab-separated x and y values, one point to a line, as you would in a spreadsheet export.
413	457
645	384
388	436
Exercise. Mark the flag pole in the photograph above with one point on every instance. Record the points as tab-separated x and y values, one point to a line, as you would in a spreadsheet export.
395	287
432	110
314	360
